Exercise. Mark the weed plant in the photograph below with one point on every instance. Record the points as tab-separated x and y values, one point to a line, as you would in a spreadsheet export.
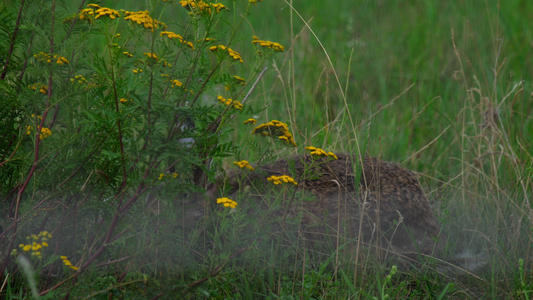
115	119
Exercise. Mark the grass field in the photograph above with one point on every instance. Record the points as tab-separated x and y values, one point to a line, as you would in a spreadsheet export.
442	87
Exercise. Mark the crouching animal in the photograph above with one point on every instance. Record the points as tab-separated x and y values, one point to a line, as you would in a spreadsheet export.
380	202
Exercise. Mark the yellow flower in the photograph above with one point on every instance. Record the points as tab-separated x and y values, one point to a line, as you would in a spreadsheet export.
240	80
250	121
268	44
201	6
61	60
143	18
280	179
105	11
161	175
151	55
123	100
41	56
320	152
45	132
42	88
26	248
176	83
63	257
255	1
45	244
236	104
276	128
244	164
127	54
175	175
232	53
172	35
226	202
137	71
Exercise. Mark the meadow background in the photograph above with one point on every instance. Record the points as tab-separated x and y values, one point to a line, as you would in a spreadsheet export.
442	87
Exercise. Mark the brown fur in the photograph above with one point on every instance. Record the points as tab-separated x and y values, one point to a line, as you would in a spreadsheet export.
387	208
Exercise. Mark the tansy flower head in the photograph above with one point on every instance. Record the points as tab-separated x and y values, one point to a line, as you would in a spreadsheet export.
250	121
320	152
226	202
151	55
277	180
275	128
202	7
244	164
240	80
36	242
67	263
172	35
43	89
232	53
106	12
45	132
236	104
143	18
177	83
60	60
268	44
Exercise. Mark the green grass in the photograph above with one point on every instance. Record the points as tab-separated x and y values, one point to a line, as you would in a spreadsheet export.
444	88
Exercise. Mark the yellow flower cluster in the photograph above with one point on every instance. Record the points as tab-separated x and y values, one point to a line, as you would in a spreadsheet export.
143	18
151	55
105	11
227	202
235	55
280	179
86	14
137	71
255	1
268	44
218	6
236	104
36	243
45	132
80	79
60	60
162	175
172	35
320	152
240	80
42	88
177	83
202	6
250	121
244	164
123	100
127	54
67	263
276	128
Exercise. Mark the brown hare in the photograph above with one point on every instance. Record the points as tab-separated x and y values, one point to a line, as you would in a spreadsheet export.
379	201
